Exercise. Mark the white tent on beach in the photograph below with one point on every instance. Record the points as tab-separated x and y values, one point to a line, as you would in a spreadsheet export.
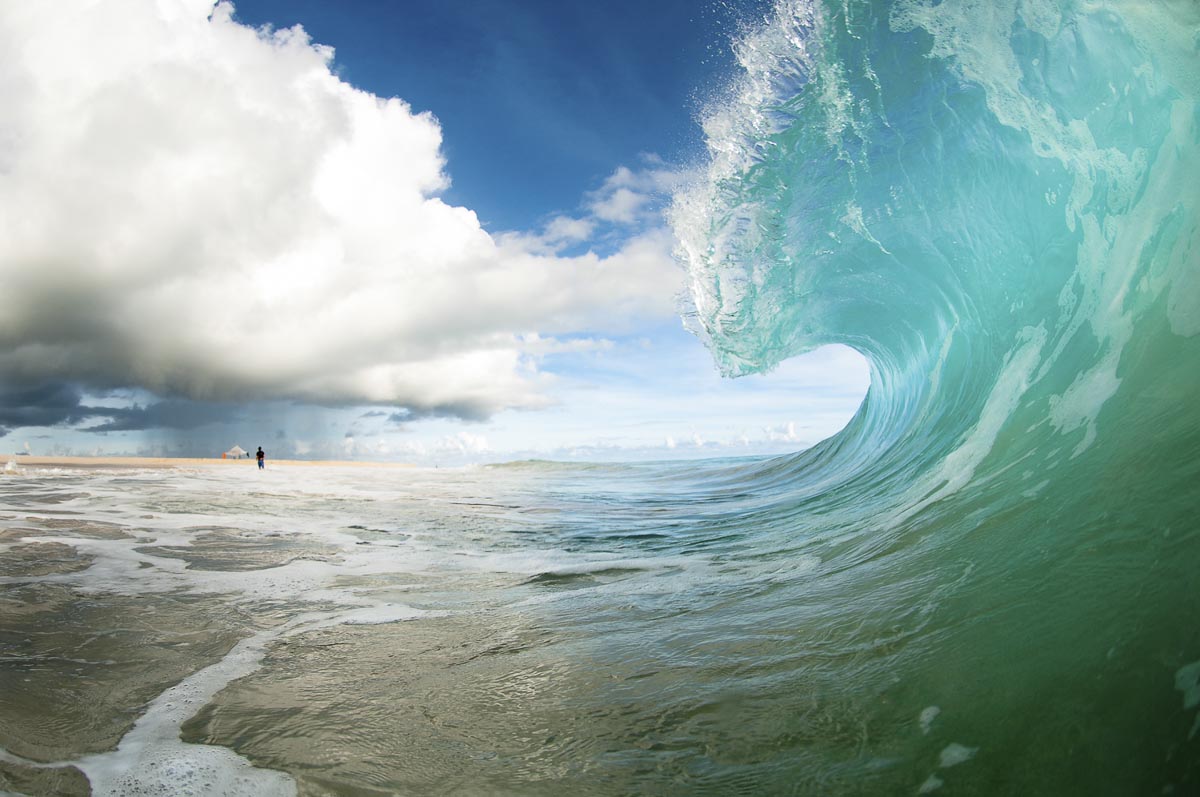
237	452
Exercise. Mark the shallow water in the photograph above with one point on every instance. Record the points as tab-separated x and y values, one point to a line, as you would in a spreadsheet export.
610	629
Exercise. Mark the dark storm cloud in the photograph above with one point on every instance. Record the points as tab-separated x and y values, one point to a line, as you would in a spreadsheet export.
168	414
45	405
61	404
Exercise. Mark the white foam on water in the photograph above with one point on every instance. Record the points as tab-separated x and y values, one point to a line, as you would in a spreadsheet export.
954	754
958	467
931	784
178	509
1138	184
192	770
119	569
563	563
134	566
1187	680
173	509
928	715
152	760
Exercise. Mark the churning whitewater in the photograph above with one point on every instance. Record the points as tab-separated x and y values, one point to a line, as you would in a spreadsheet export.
988	583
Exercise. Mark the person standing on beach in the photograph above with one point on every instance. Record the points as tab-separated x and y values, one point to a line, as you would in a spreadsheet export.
261	457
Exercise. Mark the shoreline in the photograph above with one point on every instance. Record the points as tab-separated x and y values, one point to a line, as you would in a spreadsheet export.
25	460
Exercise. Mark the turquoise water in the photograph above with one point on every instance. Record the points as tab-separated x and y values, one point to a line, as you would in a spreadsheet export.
997	204
987	584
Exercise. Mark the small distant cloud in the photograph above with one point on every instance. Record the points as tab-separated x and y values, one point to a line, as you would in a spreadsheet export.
542	346
631	196
782	433
620	206
467	443
460	448
564	230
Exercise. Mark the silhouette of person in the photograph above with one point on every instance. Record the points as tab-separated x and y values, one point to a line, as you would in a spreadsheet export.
261	457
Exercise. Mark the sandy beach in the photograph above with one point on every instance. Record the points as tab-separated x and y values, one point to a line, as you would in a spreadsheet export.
25	460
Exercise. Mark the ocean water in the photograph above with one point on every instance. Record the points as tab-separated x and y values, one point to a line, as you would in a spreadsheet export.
987	584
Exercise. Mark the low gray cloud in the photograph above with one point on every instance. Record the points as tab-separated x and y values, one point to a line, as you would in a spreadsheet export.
461	410
168	414
44	405
62	404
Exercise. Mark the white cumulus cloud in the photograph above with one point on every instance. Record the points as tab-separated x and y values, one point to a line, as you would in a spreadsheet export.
204	210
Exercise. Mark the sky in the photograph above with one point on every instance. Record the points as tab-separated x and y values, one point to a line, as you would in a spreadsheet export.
371	230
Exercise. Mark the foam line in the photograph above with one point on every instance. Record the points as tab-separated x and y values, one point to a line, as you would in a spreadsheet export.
152	760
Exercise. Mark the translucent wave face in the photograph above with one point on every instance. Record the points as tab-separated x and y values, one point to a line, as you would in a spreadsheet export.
996	203
937	184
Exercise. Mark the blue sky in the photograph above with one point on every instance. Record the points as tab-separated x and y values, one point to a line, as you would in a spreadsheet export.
538	101
369	230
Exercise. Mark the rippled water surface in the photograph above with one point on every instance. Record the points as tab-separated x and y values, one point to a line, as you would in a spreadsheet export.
523	629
